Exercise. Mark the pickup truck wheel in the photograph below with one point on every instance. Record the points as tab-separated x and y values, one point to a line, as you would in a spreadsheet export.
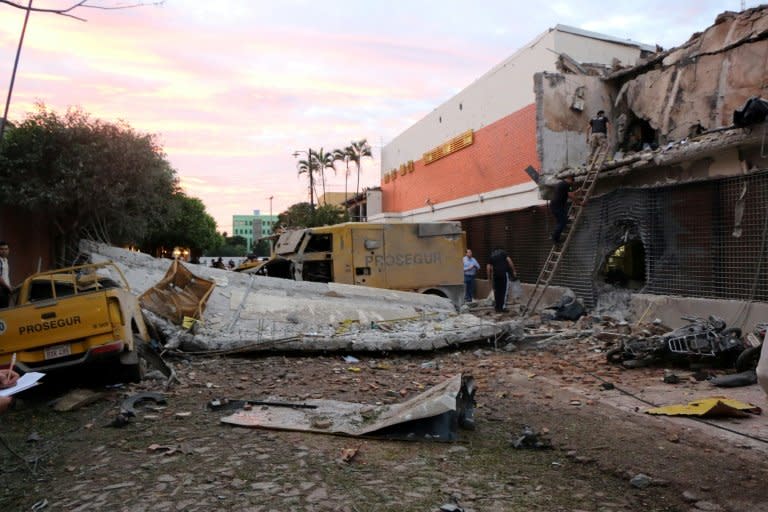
133	372
133	366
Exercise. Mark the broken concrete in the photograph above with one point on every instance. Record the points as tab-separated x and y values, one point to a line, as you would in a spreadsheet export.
678	94
253	313
433	415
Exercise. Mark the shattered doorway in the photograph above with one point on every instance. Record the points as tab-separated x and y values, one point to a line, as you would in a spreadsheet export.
624	267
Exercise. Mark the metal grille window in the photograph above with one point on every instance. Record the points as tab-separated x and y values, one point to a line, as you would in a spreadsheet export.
696	239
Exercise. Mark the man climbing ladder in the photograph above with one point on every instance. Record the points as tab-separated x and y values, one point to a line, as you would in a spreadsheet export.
574	214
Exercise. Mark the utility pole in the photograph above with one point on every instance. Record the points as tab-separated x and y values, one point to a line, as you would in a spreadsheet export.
4	119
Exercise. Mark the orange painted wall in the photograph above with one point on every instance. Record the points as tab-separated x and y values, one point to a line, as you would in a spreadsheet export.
496	159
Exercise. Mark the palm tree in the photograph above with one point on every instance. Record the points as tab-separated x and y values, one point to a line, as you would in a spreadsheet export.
309	167
342	155
323	161
357	151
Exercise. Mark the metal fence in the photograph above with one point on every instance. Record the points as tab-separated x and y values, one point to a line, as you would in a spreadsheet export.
706	239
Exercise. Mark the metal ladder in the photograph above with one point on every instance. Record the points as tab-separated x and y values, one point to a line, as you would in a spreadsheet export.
574	214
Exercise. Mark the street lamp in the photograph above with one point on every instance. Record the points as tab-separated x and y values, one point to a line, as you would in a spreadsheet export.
310	170
270	207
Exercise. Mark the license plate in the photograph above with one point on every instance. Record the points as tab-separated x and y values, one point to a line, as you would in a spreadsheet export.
57	351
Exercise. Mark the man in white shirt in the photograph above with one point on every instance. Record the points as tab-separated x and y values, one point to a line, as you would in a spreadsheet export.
471	266
5	275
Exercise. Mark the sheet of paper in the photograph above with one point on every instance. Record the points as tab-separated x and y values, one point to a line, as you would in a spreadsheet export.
26	381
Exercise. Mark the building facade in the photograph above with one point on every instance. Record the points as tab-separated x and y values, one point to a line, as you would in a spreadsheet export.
470	155
253	227
679	207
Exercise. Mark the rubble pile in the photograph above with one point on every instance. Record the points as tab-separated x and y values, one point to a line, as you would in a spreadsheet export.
251	313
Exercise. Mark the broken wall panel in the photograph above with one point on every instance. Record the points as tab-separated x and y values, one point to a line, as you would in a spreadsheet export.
704	80
564	105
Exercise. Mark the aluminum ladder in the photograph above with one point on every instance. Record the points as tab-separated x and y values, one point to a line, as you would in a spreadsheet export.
574	214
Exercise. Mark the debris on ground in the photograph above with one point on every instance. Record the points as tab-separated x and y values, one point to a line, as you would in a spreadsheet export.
75	399
178	295
529	439
435	415
708	407
746	378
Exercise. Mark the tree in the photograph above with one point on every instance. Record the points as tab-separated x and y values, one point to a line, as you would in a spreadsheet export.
357	151
323	161
94	179
342	155
300	215
186	224
309	167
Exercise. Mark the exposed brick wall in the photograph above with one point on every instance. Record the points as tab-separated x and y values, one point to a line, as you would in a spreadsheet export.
496	159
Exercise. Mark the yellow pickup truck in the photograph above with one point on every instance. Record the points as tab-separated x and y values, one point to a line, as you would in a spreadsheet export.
74	316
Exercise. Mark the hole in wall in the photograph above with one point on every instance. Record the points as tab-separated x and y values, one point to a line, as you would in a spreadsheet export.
461	107
624	267
639	136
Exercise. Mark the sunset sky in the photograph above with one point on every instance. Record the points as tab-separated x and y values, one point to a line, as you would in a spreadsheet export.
233	88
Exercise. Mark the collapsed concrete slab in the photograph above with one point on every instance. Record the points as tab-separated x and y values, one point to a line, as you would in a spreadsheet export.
255	313
434	415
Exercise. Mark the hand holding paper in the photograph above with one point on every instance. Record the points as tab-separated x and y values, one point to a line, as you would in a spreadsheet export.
8	378
20	384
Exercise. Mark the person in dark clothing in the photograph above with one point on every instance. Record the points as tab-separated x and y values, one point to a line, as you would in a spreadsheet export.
558	205
597	134
499	270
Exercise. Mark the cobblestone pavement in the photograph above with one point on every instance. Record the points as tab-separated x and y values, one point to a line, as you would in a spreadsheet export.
180	457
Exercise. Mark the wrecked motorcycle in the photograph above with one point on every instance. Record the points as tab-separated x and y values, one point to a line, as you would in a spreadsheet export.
701	340
753	344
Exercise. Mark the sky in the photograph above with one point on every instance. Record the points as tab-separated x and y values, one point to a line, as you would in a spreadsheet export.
233	88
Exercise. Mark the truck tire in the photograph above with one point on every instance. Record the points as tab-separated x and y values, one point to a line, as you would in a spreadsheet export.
133	367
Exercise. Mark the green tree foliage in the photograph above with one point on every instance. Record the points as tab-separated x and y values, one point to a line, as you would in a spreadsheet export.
342	155
185	223
98	180
310	168
358	150
323	161
233	246
301	215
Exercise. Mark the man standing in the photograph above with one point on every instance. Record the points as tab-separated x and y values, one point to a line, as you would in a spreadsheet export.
471	266
499	268
597	134
5	275
558	205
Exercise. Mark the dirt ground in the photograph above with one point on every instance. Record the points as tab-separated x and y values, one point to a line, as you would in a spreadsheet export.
180	457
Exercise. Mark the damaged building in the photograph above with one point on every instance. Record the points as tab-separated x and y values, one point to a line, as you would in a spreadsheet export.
680	209
679	205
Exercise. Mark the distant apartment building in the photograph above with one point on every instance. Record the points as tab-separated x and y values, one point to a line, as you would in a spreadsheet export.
253	227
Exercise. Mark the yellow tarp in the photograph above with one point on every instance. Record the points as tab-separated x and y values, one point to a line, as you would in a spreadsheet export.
715	406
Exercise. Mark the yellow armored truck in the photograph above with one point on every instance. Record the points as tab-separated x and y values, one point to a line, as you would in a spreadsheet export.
418	257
